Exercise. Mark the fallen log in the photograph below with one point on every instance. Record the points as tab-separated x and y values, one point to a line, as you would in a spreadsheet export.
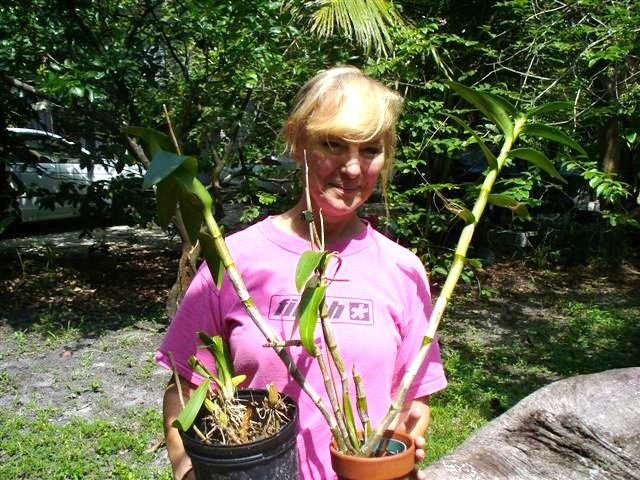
579	428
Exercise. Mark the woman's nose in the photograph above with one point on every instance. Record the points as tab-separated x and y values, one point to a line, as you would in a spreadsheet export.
352	167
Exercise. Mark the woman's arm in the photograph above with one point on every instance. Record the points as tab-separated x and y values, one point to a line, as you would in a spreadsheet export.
171	408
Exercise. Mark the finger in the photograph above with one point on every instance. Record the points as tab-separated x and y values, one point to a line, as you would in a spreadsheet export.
419	444
420	475
411	420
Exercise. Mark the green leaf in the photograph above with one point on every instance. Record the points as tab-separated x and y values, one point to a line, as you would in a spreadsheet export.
460	211
153	139
198	367
167	195
506	105
365	21
538	159
238	379
309	261
192	215
550	107
553	134
350	419
210	255
520	209
187	178
491	108
488	154
474	263
220	351
77	91
164	163
308	312
190	411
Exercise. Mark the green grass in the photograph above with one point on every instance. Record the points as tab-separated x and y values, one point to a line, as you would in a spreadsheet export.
36	447
489	375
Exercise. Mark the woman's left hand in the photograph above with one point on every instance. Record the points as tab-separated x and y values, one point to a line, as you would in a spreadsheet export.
414	420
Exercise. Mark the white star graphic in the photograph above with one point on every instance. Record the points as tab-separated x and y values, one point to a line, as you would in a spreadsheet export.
359	311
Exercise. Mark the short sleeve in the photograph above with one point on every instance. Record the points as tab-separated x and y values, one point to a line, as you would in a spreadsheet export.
198	311
430	377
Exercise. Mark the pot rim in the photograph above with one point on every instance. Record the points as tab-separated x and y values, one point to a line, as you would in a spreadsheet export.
403	437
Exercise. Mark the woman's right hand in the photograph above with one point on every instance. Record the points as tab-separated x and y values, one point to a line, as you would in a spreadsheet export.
189	475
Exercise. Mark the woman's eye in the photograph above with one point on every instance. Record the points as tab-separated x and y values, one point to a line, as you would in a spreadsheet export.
331	144
372	151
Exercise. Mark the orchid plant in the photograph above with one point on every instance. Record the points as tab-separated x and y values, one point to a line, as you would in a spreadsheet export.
228	419
178	189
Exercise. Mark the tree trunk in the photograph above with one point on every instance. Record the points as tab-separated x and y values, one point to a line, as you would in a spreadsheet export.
584	427
610	147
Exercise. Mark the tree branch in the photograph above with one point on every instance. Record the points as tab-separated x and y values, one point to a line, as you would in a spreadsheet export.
174	55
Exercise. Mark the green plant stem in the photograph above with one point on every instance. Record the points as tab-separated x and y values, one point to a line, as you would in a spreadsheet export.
361	403
341	439
452	279
255	315
350	436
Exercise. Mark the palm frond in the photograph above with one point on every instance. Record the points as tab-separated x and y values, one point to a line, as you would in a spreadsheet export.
366	21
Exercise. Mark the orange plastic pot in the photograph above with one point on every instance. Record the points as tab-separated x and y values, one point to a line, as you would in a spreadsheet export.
397	466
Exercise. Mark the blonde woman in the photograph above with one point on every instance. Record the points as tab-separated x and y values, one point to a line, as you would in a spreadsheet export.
343	125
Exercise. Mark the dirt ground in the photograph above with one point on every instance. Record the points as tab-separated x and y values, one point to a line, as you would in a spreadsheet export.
96	305
81	318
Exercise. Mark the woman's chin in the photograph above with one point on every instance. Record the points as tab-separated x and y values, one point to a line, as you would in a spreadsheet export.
341	209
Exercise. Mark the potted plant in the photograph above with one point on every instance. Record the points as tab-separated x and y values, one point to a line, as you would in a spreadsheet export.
236	433
178	187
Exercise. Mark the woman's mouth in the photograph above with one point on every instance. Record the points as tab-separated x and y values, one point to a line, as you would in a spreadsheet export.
346	188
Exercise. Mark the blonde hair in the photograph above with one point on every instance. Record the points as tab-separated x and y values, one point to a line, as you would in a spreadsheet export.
345	103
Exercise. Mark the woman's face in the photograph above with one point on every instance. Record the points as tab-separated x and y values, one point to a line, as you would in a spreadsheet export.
342	174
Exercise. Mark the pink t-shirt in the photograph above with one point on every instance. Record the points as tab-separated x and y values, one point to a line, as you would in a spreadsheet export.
378	304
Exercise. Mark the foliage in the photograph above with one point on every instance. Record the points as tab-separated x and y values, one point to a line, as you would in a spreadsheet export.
367	22
215	401
516	55
226	71
219	412
588	53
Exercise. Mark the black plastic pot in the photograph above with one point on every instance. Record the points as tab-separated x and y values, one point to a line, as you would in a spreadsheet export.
267	459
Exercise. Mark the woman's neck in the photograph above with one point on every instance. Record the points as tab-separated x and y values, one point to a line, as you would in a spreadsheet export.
335	229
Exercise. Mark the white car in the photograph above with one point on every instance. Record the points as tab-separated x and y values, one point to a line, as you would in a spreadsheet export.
54	161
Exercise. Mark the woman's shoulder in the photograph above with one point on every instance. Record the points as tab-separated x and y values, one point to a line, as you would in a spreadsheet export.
396	252
246	236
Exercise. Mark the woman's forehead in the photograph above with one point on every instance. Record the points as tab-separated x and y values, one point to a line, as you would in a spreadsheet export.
352	120
342	136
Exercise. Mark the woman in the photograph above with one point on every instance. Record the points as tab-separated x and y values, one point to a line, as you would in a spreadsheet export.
343	126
